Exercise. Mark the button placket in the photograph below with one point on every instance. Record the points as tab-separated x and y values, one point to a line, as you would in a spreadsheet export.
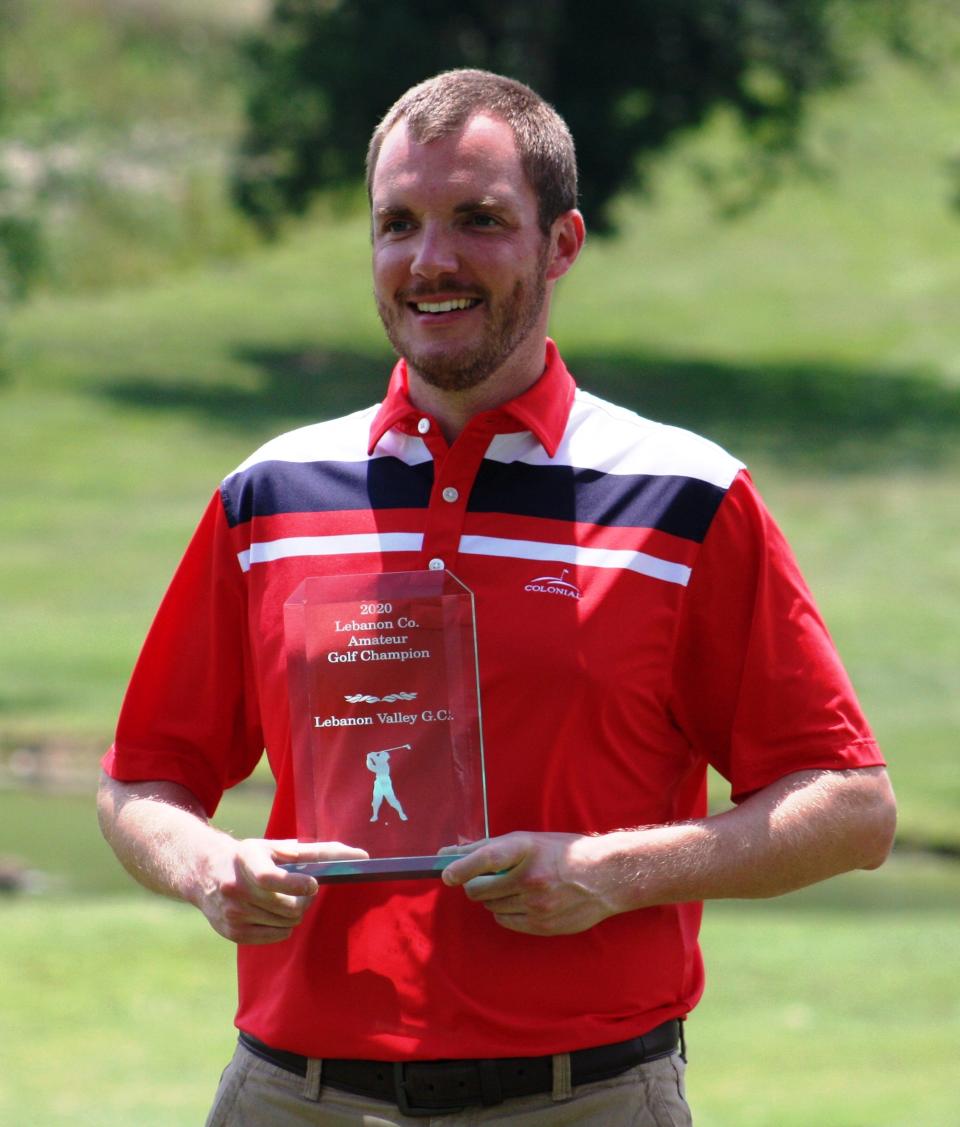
448	503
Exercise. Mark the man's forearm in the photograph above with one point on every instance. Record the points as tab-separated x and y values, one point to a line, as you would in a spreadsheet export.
160	834
802	829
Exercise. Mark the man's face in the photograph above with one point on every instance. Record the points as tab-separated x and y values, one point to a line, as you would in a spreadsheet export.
459	260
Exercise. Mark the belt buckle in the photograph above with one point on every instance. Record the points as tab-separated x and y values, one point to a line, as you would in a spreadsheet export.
416	1111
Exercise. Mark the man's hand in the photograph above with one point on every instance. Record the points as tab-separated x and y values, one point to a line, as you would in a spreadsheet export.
538	883
803	828
161	835
246	896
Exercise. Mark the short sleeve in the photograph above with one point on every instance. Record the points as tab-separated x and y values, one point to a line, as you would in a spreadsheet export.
190	713
758	687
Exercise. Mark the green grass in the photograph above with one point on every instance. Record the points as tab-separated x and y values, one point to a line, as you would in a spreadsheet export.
119	1012
835	1006
852	269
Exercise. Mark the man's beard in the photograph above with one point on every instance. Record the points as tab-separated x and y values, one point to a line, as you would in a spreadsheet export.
508	324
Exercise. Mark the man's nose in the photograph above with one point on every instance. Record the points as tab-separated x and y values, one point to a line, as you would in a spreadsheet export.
435	252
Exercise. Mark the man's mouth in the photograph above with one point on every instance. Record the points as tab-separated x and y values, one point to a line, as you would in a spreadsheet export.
445	306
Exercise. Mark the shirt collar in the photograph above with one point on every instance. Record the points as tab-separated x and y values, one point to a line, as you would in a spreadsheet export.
542	409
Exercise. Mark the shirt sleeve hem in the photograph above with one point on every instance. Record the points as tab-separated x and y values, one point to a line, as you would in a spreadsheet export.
128	766
852	756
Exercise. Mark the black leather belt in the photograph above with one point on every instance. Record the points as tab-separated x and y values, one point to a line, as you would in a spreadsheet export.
427	1087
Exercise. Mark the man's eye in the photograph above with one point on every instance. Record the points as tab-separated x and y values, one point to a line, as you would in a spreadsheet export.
482	219
396	226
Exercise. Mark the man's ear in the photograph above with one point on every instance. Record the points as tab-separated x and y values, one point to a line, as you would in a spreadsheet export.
566	240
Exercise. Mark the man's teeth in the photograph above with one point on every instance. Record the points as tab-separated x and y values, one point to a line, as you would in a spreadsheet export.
445	306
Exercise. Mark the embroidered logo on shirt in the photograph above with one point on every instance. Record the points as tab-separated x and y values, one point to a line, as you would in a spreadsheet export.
555	585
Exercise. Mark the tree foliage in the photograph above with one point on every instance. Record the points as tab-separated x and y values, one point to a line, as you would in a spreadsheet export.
20	244
627	76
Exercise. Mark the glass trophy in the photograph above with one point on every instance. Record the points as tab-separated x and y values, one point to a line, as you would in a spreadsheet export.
385	721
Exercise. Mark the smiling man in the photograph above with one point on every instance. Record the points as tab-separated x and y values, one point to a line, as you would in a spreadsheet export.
639	617
464	260
461	266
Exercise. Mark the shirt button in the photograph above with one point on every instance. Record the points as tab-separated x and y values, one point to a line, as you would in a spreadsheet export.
423	426
436	564
450	494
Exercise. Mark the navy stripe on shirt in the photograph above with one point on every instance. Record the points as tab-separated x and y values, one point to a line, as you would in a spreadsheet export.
271	488
680	506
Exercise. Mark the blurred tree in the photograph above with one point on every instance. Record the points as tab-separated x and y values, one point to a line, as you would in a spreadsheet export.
21	248
628	76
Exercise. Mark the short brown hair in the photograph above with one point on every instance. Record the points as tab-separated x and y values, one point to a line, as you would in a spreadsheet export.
443	104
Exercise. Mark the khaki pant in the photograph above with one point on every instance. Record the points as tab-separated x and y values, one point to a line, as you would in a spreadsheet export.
255	1093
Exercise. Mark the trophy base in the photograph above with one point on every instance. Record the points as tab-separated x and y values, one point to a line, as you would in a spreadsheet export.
375	868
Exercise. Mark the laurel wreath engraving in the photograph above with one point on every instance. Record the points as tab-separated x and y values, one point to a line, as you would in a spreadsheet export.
363	698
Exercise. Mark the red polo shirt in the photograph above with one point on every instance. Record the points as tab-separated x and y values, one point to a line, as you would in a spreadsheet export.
639	616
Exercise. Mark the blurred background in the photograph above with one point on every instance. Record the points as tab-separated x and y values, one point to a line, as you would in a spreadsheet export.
772	192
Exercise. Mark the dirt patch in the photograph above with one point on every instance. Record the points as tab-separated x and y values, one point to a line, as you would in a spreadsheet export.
61	766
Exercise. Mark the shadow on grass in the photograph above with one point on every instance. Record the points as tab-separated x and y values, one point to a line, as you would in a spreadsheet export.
808	414
294	386
14	703
912	881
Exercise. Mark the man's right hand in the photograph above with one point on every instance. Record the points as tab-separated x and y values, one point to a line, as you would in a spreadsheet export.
246	896
160	833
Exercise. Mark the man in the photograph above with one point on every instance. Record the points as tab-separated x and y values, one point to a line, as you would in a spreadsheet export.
639	616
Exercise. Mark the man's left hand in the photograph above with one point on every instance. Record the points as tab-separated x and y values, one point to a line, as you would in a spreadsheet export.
537	883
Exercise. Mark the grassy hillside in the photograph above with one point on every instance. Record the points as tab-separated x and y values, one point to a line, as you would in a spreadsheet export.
116	125
815	337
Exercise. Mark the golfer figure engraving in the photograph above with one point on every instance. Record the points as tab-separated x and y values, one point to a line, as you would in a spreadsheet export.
379	763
